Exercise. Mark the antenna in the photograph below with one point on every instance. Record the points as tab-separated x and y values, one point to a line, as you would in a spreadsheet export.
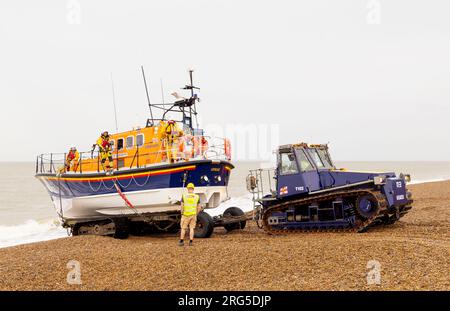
148	98
162	90
192	87
114	102
192	84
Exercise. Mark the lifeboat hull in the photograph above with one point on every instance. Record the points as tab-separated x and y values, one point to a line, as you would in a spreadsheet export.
152	189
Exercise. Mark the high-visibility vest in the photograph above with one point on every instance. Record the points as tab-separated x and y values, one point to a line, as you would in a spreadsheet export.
73	155
190	202
103	143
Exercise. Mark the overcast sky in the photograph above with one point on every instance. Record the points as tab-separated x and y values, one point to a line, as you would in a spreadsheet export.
372	80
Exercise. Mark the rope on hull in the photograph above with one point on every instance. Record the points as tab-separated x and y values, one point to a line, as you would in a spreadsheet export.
119	191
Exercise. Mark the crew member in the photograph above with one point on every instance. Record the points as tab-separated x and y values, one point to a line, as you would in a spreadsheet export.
173	135
105	150
190	207
72	159
204	146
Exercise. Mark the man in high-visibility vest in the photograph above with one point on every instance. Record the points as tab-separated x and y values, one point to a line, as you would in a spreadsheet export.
190	206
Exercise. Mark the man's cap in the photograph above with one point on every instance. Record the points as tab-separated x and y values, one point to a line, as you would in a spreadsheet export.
190	185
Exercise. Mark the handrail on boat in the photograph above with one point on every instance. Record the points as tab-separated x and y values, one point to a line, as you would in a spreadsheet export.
53	162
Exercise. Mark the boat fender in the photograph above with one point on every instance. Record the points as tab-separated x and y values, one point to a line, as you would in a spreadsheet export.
227	147
195	147
181	145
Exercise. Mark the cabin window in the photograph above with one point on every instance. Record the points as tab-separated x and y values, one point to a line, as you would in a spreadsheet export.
120	144
316	158
288	163
112	143
130	142
305	165
140	140
325	158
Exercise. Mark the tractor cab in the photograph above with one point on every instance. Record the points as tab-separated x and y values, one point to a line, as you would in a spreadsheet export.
303	158
299	168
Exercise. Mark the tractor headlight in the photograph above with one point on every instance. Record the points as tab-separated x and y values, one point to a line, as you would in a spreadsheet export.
406	177
379	180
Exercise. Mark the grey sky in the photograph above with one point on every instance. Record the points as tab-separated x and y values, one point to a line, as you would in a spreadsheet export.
317	68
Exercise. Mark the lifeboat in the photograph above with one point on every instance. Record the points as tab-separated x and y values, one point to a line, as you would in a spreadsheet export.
149	168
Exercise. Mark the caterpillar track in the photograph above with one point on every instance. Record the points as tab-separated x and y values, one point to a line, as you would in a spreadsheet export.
381	216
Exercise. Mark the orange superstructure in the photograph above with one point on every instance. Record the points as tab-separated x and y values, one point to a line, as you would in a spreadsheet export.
165	142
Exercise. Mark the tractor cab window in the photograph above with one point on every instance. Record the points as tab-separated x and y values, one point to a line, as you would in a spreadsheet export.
325	157
288	164
316	158
303	161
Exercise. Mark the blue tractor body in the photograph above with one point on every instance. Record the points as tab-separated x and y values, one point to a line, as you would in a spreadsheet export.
311	193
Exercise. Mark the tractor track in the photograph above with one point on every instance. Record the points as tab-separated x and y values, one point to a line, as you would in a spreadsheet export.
360	224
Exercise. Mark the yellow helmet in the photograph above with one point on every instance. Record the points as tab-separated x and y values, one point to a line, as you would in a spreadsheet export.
190	185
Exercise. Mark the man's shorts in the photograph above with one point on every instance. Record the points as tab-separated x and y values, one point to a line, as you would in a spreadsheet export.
188	221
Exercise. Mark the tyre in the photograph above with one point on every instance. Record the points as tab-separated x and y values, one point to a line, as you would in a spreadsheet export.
234	211
122	228
205	226
75	229
366	206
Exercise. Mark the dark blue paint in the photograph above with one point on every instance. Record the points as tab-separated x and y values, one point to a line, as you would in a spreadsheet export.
73	188
394	189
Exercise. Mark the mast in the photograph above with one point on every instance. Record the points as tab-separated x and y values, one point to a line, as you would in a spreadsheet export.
114	102
148	97
192	95
184	106
193	99
192	83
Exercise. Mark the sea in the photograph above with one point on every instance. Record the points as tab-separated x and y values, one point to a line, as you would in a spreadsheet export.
27	214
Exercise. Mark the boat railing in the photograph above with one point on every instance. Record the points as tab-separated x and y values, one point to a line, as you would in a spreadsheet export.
171	152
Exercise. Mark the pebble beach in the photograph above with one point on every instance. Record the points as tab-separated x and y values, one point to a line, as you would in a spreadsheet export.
413	254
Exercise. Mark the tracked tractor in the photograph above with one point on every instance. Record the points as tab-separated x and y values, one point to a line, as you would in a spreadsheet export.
306	192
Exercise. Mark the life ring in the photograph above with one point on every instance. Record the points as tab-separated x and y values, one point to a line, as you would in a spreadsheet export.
227	147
